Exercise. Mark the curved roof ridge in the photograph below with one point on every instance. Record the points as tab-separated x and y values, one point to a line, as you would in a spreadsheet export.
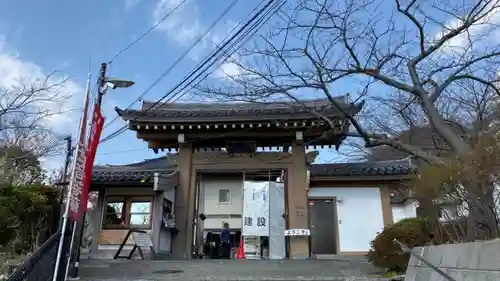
400	167
236	105
401	160
158	163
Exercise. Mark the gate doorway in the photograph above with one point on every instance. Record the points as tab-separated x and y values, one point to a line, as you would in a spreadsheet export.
323	222
221	199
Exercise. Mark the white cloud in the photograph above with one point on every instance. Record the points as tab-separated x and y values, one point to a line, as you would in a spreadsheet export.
228	69
480	33
13	68
185	26
129	4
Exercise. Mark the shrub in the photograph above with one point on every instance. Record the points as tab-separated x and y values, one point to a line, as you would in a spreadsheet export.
387	254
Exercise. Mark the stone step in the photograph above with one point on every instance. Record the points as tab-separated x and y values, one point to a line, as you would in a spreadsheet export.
250	278
237	270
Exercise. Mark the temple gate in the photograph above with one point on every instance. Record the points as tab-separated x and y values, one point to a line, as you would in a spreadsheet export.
233	137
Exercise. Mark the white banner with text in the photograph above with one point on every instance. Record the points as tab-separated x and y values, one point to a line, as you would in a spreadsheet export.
255	208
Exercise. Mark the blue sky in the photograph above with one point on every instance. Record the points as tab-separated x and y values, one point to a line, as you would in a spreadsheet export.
37	37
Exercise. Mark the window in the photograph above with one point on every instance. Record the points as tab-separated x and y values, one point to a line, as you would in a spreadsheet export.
114	214
224	196
140	213
127	212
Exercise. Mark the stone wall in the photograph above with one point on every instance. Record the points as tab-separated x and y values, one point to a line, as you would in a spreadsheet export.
467	261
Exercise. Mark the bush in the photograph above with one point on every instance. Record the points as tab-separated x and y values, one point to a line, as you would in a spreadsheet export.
385	253
26	215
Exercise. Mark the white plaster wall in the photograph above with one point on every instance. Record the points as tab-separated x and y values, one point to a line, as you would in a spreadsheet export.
129	191
211	205
216	223
165	240
359	214
170	194
403	211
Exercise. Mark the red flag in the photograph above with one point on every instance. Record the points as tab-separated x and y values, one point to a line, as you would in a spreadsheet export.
74	196
93	142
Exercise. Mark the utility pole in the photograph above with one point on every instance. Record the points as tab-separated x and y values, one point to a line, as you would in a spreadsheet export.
74	263
69	152
63	183
101	82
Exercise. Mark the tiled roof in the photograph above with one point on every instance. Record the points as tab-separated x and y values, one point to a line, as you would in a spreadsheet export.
386	168
148	164
146	169
135	172
125	176
179	112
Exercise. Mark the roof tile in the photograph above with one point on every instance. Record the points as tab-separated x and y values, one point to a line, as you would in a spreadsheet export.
386	168
146	169
244	111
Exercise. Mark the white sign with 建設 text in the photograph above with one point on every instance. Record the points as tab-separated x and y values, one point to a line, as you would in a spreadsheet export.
255	209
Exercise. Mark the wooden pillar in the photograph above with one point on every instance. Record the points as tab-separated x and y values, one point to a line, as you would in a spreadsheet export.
297	201
190	229
201	209
157	220
184	166
385	200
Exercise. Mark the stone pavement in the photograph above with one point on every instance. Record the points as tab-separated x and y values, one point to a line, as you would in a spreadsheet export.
351	269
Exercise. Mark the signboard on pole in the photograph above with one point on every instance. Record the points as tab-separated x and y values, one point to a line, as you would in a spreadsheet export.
84	158
94	137
76	183
255	208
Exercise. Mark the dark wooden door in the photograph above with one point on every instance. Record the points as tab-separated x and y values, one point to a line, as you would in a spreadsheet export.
323	226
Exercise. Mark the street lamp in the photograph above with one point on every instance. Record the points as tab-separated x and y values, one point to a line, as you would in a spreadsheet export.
110	82
114	83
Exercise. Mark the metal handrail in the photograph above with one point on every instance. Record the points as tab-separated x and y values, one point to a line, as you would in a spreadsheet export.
40	265
407	249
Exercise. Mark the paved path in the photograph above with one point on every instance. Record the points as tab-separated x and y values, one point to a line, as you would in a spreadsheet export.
123	270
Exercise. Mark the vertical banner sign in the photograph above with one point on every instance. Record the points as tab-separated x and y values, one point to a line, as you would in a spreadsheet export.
77	178
94	137
255	208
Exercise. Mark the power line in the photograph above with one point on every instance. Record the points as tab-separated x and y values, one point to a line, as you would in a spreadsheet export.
179	59
119	151
207	60
255	27
147	32
200	66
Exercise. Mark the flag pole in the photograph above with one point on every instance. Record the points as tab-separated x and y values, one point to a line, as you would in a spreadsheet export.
81	131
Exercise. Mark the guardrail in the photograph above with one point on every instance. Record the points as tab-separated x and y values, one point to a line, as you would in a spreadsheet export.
40	265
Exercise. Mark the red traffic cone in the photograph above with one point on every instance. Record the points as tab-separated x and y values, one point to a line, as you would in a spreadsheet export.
241	252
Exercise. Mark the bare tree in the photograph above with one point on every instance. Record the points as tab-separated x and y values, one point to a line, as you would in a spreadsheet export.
25	134
416	64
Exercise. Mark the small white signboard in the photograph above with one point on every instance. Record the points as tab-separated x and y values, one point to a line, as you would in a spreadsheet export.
297	232
142	239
